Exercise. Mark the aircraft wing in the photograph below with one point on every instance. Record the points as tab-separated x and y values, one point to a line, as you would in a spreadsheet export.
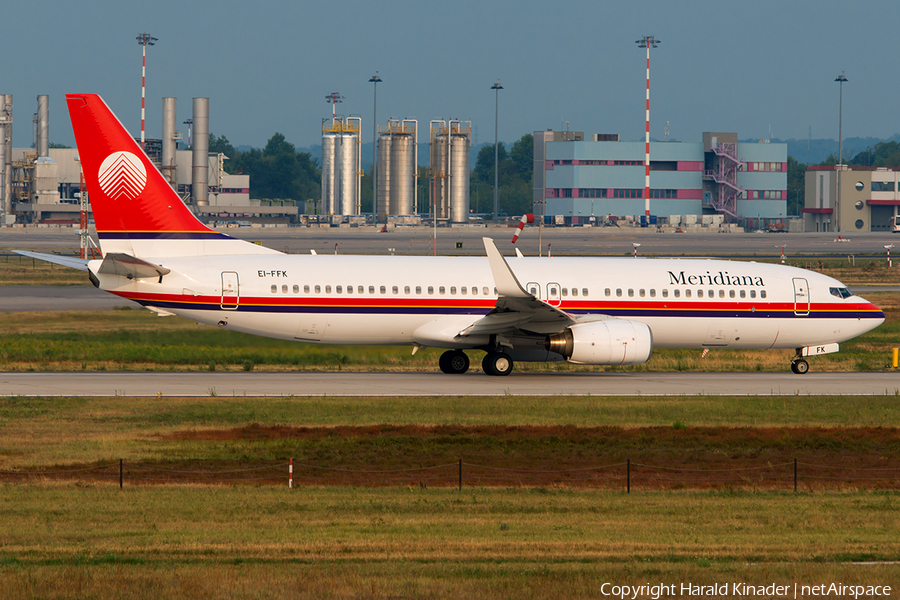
516	309
66	261
125	265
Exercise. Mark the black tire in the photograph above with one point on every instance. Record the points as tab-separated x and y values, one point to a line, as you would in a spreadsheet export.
497	363
800	366
454	362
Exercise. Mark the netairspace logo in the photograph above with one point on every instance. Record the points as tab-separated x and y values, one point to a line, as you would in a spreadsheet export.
122	176
744	590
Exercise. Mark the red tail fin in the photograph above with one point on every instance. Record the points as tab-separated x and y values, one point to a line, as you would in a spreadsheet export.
129	197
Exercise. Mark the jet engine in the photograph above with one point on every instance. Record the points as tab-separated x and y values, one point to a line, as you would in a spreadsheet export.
610	342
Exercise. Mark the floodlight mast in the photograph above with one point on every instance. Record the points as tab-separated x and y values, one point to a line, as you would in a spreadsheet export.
375	80
496	87
648	41
144	39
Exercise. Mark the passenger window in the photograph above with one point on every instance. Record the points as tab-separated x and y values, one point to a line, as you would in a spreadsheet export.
284	289
721	293
711	294
430	290
382	289
753	293
495	292
677	293
699	293
318	289
406	290
584	291
653	292
630	293
327	289
608	292
462	290
274	289
687	293
618	292
349	289
306	289
642	293
532	290
565	291
419	289
762	293
360	289
731	293
665	293
442	290
452	290
296	289
395	289
339	289
743	294
474	290
372	289
574	291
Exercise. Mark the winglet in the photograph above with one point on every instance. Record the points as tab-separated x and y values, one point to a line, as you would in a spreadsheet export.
504	279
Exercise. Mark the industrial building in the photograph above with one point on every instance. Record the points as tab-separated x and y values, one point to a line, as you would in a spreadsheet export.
43	184
851	198
580	179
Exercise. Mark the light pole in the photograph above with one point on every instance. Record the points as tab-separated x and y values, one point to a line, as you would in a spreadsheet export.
840	79
496	87
375	80
144	39
648	41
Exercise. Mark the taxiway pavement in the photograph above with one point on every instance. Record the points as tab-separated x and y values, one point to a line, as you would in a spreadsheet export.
474	383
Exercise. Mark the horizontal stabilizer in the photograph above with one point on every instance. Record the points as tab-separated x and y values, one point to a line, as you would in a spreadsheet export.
66	261
125	265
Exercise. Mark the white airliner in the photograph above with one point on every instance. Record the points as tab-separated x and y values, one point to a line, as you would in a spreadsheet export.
592	311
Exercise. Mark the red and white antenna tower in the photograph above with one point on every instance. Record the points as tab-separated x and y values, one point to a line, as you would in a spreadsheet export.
144	39
648	41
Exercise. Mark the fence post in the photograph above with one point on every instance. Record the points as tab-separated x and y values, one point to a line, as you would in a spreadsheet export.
460	474
291	474
628	476
795	475
121	474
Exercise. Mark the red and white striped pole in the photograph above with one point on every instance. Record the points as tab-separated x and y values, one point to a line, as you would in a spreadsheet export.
648	41
291	474
529	218
144	39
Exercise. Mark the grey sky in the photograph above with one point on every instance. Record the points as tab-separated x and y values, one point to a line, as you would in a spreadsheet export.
266	66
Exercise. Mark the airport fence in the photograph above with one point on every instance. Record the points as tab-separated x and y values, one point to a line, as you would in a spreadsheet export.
626	476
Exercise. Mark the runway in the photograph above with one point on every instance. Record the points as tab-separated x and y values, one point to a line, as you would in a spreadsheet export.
134	384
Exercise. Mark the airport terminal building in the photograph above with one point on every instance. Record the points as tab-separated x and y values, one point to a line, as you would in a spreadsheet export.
579	178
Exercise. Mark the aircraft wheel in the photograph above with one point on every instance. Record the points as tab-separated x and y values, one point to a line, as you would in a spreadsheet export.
799	366
497	363
454	362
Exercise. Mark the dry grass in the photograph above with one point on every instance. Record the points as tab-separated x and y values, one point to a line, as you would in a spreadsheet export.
75	542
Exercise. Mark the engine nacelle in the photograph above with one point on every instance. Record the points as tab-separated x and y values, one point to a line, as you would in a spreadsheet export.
610	342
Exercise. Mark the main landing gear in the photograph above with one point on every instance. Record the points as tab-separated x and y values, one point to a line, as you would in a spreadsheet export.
497	363
454	362
799	366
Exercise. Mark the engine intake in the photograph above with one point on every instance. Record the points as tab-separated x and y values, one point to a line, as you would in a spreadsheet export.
610	342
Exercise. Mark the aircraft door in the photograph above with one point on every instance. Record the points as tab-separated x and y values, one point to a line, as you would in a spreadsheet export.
801	296
230	291
553	297
534	289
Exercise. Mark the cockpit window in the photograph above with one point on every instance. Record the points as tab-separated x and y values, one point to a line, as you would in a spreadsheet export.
840	292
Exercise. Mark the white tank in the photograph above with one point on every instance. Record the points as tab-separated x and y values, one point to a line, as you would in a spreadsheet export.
384	177
459	178
329	173
439	176
347	151
402	174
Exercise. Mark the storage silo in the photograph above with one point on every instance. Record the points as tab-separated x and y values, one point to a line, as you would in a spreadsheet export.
438	168
460	136
384	177
329	171
347	151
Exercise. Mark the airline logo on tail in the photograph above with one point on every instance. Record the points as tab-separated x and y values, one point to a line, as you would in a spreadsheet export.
122	176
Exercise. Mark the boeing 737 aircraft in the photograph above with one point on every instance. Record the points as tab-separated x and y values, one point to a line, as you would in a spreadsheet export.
591	311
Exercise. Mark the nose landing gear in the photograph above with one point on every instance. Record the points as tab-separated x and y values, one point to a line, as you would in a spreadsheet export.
799	366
